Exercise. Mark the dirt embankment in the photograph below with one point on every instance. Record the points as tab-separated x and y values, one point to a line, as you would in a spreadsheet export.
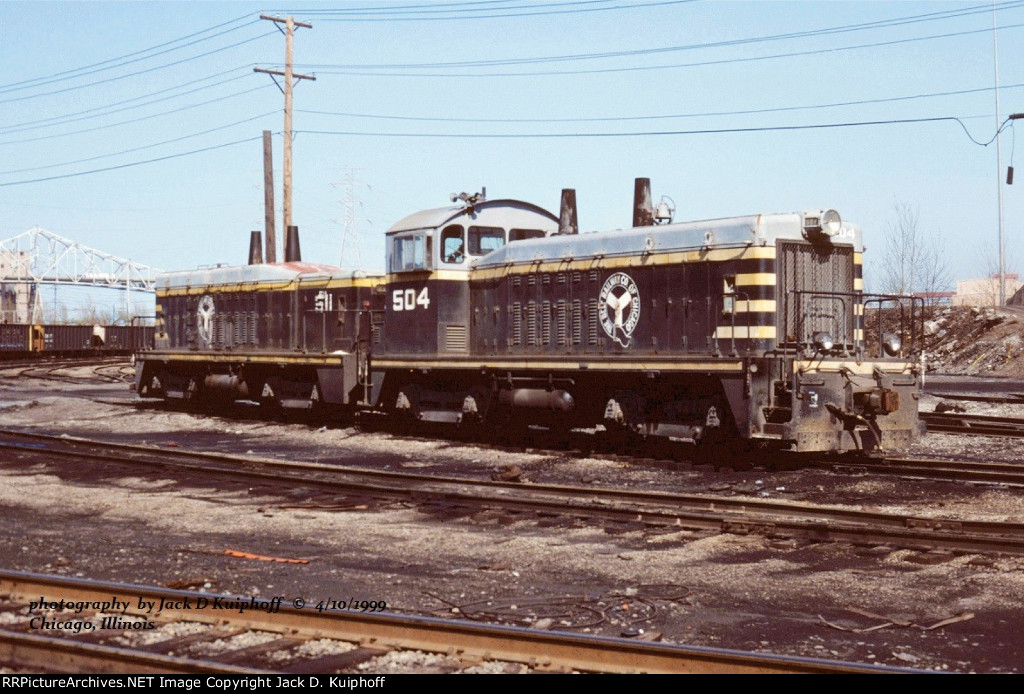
975	341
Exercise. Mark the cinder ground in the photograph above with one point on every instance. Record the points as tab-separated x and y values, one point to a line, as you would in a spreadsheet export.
741	592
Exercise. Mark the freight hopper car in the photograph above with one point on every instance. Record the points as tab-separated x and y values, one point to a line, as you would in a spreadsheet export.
739	330
283	335
36	340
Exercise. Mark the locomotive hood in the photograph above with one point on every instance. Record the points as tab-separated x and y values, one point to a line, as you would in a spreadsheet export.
729	232
246	274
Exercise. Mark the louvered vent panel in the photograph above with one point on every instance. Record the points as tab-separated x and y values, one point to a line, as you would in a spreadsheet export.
517	324
577	322
562	321
593	319
545	317
456	337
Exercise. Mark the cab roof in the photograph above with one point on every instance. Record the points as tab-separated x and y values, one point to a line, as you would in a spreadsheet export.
506	213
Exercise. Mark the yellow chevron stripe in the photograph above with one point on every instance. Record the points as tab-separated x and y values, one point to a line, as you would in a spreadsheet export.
753	332
756	306
756	279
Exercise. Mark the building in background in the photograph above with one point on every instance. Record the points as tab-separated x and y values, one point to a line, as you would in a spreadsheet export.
984	291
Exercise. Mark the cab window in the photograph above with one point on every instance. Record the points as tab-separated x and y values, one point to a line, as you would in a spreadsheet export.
453	244
410	252
483	240
520	234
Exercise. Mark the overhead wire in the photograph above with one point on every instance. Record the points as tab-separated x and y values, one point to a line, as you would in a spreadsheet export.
642	68
134	120
703	114
136	74
336	16
140	148
659	133
131	164
109	109
123	60
810	33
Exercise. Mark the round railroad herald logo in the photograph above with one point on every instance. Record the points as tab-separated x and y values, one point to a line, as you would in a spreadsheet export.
620	312
204	320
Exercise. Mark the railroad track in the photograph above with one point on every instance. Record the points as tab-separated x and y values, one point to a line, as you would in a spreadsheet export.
50	370
973	424
277	638
338	487
979	472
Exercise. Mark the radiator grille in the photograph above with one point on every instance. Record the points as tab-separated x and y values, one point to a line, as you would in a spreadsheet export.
810	280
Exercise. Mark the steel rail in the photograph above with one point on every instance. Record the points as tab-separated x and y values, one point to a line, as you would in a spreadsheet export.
685	512
53	654
1008	474
973	425
472	641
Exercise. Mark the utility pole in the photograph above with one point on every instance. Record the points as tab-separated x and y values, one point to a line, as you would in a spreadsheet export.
289	77
999	165
268	199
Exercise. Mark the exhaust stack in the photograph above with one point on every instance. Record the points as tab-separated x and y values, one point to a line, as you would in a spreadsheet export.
567	222
292	254
643	208
255	248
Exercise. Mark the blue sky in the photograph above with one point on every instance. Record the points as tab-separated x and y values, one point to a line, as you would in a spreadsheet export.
400	87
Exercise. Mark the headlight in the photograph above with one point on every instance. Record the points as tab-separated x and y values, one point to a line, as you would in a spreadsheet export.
830	223
823	341
891	343
822	222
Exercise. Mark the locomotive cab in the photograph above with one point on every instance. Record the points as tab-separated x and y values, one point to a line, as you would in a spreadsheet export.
429	258
428	317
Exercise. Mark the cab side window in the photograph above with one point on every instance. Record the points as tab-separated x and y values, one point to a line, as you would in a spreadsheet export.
453	244
483	240
410	251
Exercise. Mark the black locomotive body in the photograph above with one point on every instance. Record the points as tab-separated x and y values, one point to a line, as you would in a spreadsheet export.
284	334
745	329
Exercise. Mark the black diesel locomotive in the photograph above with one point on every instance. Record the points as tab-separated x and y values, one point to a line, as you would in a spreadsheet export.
497	313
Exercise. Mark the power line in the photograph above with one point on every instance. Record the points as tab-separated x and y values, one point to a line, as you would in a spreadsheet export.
391	10
140	148
848	28
136	74
132	120
343	16
130	164
660	133
122	60
108	109
705	114
723	61
663	133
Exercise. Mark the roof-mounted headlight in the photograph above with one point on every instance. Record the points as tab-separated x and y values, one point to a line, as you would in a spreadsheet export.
825	223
